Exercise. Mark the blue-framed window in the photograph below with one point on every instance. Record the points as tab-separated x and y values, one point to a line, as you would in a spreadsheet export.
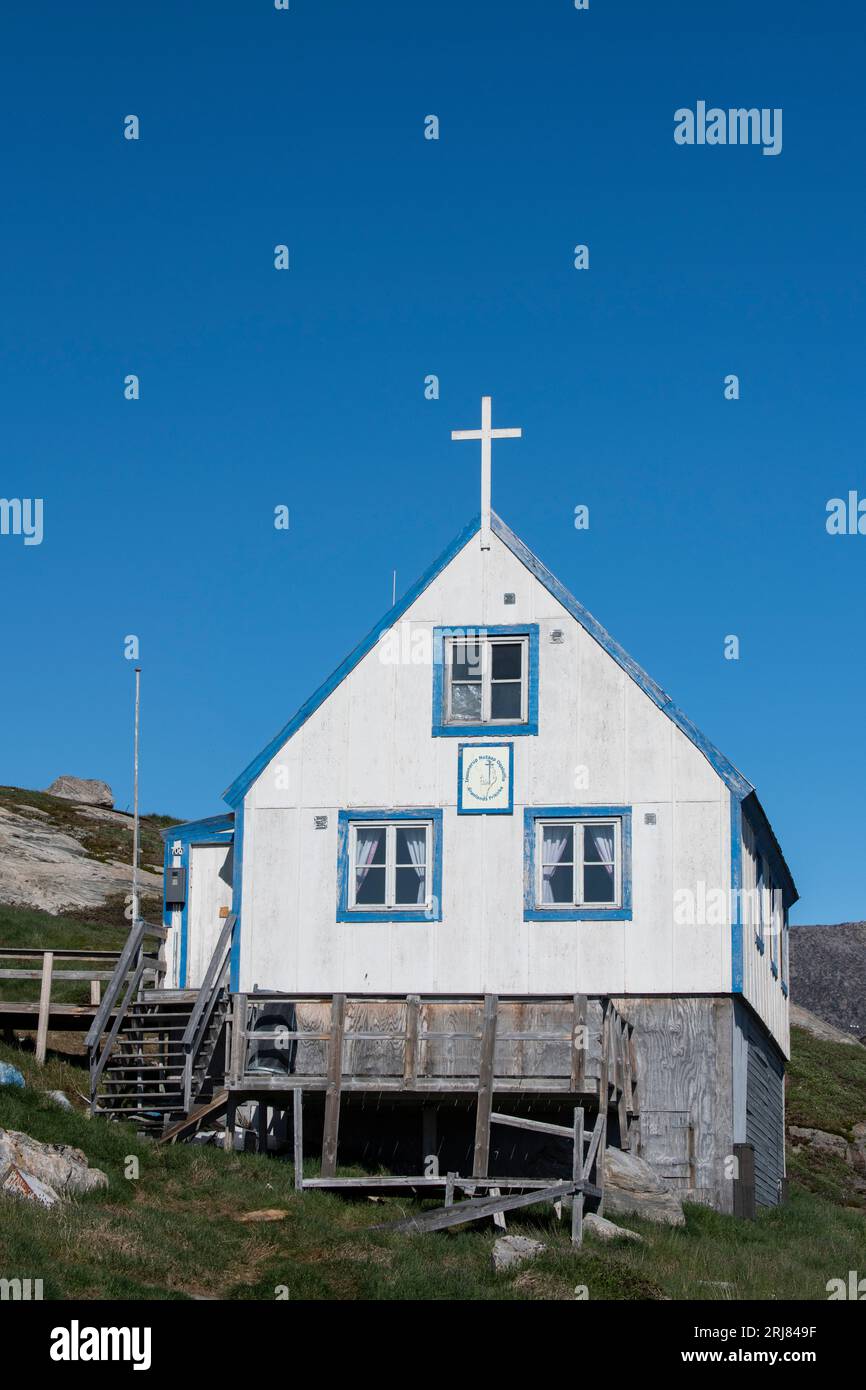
577	864
777	919
389	866
785	947
485	680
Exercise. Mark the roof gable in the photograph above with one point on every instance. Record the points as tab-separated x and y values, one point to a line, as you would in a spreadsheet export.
729	774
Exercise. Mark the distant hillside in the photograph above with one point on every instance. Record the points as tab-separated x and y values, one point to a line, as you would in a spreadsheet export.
64	856
828	973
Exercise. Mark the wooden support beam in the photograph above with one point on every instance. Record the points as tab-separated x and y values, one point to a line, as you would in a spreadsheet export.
577	1176
578	1044
484	1106
477	1207
262	1126
335	1082
44	1007
239	1040
410	1047
539	1126
449	1189
622	1108
298	1137
192	1121
229	1132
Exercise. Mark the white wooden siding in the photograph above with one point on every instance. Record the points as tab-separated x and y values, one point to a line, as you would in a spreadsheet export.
370	745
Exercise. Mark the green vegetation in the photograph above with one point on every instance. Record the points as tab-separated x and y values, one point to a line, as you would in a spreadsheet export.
173	1231
28	927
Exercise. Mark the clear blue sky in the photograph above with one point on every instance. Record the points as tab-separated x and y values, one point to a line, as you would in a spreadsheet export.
412	257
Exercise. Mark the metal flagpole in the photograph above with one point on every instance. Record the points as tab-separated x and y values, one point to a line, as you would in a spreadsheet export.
135	828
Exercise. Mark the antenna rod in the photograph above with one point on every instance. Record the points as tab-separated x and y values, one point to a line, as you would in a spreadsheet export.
135	828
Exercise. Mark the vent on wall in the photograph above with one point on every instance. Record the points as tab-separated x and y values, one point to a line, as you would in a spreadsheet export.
649	818
509	598
320	822
557	635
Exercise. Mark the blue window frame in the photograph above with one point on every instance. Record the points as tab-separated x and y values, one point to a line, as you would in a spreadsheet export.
483	685
581	853
377	873
760	901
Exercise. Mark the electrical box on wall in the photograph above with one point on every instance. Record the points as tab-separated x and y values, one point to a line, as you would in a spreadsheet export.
175	887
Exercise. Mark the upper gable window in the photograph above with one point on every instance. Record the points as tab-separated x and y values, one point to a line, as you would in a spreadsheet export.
486	679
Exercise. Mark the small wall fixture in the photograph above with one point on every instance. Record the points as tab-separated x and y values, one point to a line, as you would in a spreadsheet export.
557	635
509	598
649	818
320	822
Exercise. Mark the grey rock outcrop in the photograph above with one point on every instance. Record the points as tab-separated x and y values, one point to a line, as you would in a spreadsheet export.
608	1230
60	1167
509	1251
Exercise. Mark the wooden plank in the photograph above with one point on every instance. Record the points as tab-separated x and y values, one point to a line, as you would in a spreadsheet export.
229	1135
44	1007
332	1093
449	1189
298	1138
594	1142
578	1044
477	1207
498	1216
410	1052
604	1074
95	993
539	1126
577	1175
484	1105
191	1121
629	1074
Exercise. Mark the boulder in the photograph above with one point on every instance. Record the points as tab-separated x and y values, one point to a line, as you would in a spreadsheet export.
64	1169
857	1149
819	1141
61	1099
631	1188
607	1230
819	1028
510	1251
84	789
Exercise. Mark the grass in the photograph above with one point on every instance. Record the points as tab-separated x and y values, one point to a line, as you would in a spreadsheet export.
28	927
172	1231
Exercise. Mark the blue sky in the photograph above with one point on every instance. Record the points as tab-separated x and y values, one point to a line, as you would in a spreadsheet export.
411	257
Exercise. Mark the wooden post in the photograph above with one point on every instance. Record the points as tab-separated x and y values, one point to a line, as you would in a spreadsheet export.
335	1082
745	1205
298	1137
229	1132
498	1216
578	1044
44	1007
577	1174
449	1189
485	1089
622	1109
95	993
410	1053
262	1126
239	1028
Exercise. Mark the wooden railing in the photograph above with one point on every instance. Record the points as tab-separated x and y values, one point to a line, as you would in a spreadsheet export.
574	1045
43	967
213	991
128	978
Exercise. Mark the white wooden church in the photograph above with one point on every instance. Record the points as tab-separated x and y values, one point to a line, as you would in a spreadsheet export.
490	799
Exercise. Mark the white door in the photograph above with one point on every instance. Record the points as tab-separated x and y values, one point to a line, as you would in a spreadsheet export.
210	889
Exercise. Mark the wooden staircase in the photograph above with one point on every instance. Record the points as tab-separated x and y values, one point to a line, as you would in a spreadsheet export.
164	1052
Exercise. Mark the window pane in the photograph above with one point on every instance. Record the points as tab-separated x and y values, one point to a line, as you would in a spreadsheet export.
598	844
557	846
466	661
370	887
506	660
466	702
505	700
598	884
369	846
558	884
411	845
411	887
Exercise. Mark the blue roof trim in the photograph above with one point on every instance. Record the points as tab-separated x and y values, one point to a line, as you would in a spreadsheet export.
241	785
730	775
191	829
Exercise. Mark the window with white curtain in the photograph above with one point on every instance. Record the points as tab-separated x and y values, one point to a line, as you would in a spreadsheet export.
389	864
578	863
